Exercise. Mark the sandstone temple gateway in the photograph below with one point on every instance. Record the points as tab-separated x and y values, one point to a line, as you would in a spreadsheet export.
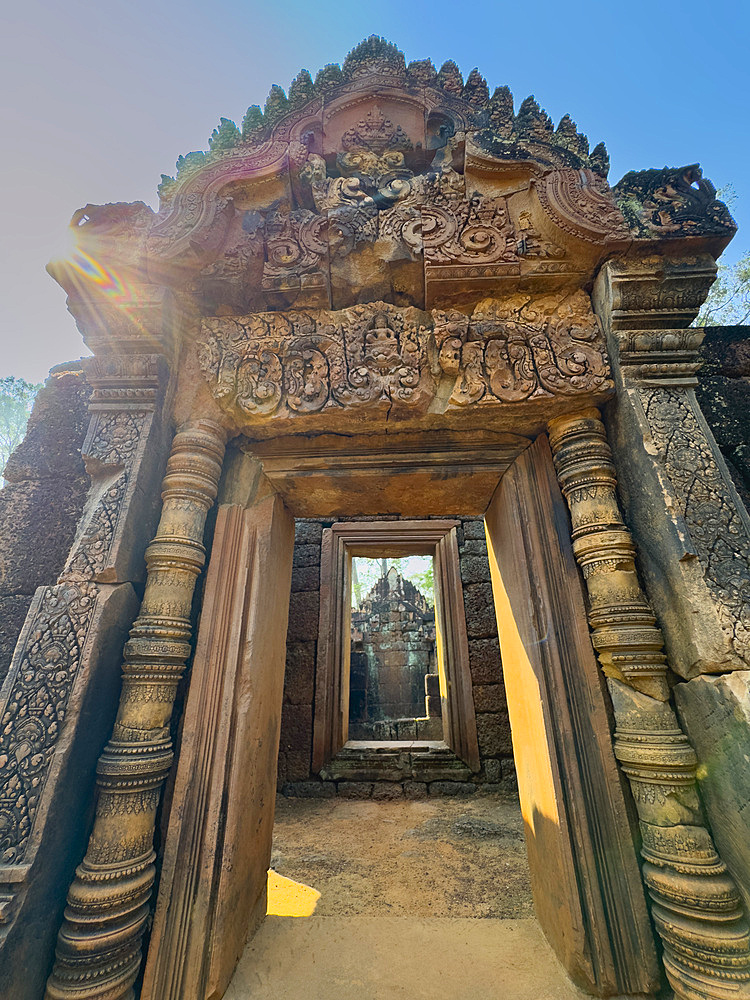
407	318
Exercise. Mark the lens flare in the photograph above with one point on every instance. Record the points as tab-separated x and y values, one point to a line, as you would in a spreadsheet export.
106	281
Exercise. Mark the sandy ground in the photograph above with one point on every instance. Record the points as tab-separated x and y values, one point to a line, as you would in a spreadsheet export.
424	900
441	857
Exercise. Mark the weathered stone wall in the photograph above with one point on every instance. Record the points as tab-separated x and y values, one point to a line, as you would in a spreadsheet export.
715	709
43	499
724	396
493	726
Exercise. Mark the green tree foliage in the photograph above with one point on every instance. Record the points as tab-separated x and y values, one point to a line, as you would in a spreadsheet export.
728	302
16	399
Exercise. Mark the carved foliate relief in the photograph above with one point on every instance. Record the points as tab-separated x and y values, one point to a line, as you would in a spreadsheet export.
111	449
34	711
718	530
307	362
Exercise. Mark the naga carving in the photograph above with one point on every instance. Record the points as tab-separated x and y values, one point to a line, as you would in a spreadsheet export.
302	363
673	201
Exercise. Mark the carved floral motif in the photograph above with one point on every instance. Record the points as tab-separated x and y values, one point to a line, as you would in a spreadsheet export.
35	709
717	528
113	443
307	362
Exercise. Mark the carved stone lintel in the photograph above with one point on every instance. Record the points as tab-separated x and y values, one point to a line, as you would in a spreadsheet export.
696	905
404	362
98	951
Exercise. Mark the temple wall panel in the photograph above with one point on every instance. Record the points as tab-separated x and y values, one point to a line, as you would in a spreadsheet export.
42	500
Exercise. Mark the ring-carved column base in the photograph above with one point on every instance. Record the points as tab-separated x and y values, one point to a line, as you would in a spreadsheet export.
99	946
696	906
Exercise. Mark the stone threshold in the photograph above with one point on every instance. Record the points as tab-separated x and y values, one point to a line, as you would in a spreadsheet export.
396	760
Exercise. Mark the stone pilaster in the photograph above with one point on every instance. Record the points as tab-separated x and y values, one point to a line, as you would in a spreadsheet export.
691	528
695	903
99	945
58	699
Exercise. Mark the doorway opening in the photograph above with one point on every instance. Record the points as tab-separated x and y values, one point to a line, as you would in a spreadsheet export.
394	670
380	660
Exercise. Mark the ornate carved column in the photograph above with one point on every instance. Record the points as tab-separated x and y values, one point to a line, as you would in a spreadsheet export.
98	950
695	904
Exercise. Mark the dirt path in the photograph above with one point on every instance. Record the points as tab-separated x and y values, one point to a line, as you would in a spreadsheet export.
441	857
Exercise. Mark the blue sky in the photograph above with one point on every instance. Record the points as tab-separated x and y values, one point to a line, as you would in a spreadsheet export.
97	100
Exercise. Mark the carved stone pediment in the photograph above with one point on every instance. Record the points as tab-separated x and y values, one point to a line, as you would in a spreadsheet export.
380	181
376	362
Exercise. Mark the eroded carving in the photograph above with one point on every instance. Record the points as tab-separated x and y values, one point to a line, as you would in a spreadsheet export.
44	671
112	443
308	362
715	521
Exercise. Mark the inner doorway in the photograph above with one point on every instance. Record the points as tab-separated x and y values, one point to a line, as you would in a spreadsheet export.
394	673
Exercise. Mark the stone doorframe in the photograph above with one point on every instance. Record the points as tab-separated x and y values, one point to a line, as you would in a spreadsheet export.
426	319
574	803
391	539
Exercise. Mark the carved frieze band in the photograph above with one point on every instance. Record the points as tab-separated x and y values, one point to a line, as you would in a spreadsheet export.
695	904
98	951
302	363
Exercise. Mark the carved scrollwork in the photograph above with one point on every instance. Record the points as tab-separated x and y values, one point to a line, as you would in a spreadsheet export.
581	203
308	362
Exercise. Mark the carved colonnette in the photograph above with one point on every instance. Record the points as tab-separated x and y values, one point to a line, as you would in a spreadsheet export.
57	702
696	907
212	891
98	951
692	529
588	892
